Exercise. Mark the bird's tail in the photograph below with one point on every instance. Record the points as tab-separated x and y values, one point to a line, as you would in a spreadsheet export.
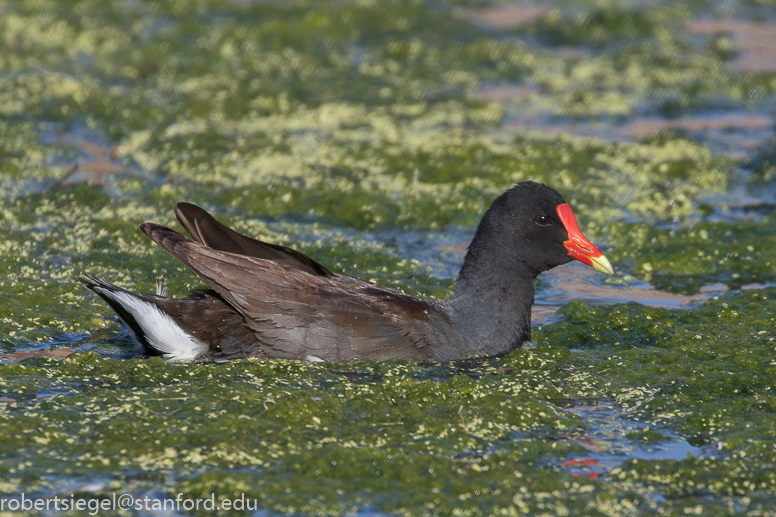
147	323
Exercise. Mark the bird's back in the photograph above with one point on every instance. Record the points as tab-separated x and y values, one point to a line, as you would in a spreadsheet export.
295	314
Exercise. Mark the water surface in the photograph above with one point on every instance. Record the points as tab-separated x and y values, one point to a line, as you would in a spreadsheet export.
373	137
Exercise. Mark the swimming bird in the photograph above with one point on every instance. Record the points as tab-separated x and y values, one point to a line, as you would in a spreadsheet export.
271	301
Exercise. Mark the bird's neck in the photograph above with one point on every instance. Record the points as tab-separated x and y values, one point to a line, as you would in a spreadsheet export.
491	305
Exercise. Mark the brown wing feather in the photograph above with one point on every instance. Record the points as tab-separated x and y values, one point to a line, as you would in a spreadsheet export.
205	229
297	315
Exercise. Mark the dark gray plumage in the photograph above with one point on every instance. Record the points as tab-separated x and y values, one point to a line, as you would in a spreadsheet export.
270	301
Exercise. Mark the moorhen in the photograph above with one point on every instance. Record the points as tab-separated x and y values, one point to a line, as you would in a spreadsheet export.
270	301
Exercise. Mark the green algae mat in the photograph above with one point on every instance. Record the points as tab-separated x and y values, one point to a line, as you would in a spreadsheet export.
372	136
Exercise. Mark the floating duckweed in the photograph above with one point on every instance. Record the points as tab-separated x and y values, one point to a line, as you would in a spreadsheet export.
686	259
307	123
339	433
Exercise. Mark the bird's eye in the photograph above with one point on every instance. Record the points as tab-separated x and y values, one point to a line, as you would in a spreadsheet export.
542	220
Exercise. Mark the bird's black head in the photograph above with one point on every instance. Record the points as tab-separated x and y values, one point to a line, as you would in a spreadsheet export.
530	229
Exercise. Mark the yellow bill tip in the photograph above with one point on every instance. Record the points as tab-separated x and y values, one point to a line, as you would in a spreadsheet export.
602	264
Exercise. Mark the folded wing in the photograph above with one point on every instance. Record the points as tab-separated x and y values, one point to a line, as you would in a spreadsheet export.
297	314
205	229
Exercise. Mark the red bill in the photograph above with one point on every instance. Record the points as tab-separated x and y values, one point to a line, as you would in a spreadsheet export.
579	247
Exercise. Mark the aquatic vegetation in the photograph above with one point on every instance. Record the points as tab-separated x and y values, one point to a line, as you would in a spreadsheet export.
686	259
308	123
764	164
342	436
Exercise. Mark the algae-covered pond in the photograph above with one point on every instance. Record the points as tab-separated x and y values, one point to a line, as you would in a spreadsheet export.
372	136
